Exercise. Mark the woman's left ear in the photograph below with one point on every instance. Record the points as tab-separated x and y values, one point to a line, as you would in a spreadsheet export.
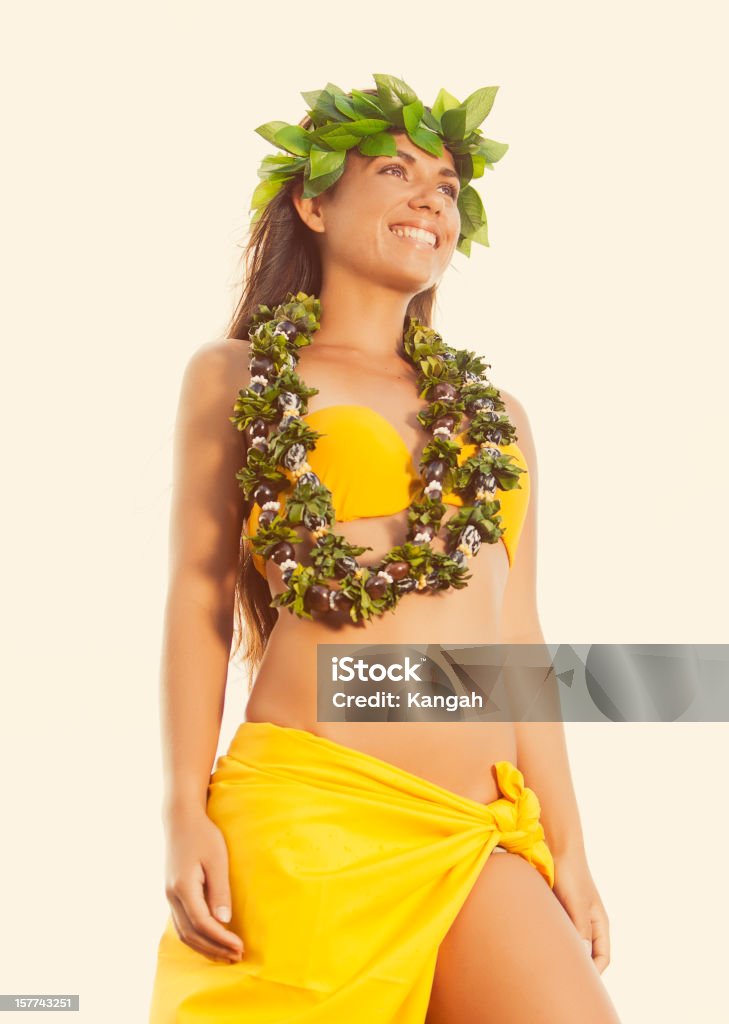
310	210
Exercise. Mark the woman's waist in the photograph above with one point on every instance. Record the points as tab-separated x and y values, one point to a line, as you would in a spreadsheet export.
457	755
296	678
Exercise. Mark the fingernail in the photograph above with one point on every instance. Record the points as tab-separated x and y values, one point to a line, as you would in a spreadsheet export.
223	913
588	946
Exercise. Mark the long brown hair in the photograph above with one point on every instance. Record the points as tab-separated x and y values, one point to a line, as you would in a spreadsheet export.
280	256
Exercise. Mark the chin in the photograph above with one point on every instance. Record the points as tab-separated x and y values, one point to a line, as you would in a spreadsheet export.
380	265
410	275
418	278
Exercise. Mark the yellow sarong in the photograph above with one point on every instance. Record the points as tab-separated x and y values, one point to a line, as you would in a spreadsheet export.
346	872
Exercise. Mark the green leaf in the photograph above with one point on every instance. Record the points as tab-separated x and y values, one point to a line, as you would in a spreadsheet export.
344	106
427	140
264	193
312	98
325	107
341	140
323	162
268	130
478	105
473	215
411	114
294	139
478	163
492	151
279	168
464	245
382	144
454	123
322	183
432	122
365	105
464	166
368	126
481	235
394	94
444	101
351	130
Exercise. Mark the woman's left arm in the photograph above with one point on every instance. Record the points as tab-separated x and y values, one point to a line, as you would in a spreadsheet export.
541	745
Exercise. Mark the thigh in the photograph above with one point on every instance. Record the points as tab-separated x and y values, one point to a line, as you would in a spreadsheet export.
514	955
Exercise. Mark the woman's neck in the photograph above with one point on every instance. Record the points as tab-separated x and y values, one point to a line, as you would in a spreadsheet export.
362	318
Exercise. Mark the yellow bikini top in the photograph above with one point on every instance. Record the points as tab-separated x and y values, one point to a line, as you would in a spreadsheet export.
368	468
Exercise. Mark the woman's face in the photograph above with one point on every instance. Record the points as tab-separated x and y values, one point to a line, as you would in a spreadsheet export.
376	194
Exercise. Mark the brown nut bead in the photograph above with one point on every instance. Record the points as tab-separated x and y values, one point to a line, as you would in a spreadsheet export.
256	428
264	493
267	517
435	470
316	598
260	365
444	390
344	565
398	570
376	586
342	603
282	552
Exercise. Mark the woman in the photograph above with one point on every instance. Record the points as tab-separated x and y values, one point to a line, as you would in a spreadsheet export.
341	870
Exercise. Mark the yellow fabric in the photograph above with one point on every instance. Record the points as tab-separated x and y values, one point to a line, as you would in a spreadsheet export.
368	468
346	873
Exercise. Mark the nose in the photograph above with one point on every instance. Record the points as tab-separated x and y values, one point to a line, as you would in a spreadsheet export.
428	198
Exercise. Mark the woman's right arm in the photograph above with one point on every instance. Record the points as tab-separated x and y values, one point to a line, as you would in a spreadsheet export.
207	509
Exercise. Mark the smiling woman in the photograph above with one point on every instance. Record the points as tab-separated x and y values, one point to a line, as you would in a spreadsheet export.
373	203
340	870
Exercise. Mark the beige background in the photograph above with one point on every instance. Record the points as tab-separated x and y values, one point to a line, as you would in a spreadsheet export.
130	159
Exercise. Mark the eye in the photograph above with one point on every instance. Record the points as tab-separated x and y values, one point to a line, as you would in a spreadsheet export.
452	190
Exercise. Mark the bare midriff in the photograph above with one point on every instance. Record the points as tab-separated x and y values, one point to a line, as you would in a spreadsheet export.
456	755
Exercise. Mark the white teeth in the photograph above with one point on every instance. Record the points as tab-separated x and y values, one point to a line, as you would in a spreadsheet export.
403	231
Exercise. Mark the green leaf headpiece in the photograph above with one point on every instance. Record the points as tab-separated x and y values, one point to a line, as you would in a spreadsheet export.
341	121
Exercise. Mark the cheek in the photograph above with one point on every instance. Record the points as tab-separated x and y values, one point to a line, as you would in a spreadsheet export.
353	214
358	230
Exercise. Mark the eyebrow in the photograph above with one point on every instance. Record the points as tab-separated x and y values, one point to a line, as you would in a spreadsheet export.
409	158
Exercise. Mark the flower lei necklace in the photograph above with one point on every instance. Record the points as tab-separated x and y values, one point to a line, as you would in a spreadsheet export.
454	383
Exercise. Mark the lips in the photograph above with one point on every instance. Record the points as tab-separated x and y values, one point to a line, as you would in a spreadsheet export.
422	227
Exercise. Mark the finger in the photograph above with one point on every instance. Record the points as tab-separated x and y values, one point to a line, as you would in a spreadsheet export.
187	934
203	921
601	963
600	939
217	887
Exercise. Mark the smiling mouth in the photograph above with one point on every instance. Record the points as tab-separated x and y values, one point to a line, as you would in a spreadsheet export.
418	242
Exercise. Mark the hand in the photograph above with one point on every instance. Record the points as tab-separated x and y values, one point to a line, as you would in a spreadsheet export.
576	891
197	886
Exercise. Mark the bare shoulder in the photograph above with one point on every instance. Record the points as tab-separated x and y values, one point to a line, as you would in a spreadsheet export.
219	365
214	375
